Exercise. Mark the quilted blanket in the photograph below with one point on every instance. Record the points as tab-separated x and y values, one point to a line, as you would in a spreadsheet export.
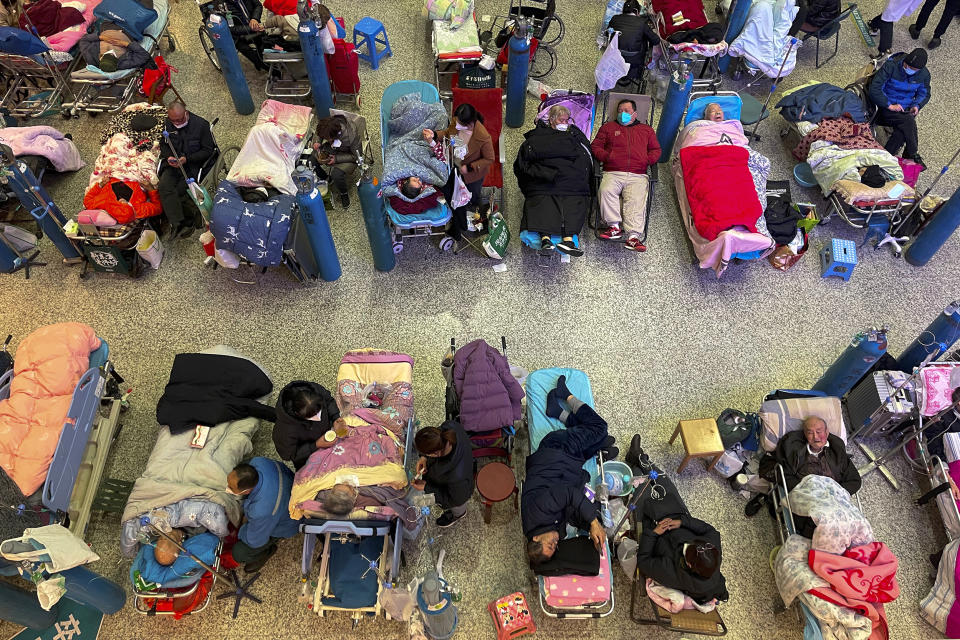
49	363
120	159
840	525
407	153
43	141
720	188
765	38
272	147
831	163
256	231
65	40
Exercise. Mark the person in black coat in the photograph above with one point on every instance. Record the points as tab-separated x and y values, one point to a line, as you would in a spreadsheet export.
445	469
636	38
190	146
677	550
555	172
305	412
553	492
247	31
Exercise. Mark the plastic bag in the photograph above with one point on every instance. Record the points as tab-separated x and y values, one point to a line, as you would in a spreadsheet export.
326	41
627	554
617	511
498	238
150	249
399	602
461	195
611	67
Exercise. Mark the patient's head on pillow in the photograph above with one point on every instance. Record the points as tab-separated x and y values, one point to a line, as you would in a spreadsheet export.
701	557
341	499
303	400
713	112
411	187
165	552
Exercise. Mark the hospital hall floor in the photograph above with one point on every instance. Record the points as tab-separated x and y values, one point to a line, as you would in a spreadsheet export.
660	339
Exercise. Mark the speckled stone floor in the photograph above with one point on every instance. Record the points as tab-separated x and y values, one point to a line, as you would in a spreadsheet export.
660	339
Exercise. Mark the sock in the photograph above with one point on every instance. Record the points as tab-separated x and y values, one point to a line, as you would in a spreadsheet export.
562	390
554	410
575	404
563	416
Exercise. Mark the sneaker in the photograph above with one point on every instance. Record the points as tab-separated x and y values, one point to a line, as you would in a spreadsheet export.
914	31
569	248
447	519
633	243
754	505
934	43
613	232
873	31
546	244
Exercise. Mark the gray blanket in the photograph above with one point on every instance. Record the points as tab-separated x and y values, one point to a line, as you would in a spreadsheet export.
407	153
177	472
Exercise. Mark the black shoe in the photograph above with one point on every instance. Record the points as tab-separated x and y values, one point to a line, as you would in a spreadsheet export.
934	43
256	565
185	232
447	519
634	452
546	244
569	248
916	158
914	31
753	507
610	453
344	200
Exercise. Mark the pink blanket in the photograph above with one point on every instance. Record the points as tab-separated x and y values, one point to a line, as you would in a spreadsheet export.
46	142
862	579
68	38
570	592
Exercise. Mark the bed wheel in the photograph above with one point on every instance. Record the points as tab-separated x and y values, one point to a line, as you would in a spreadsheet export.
92	114
737	74
83	276
171	43
397	247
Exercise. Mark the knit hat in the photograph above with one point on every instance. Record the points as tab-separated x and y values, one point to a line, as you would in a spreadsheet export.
142	122
916	58
108	62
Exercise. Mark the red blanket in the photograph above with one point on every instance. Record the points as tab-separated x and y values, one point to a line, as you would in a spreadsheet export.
863	578
680	15
720	189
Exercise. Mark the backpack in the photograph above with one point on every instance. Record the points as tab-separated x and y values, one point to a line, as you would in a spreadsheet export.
734	427
155	82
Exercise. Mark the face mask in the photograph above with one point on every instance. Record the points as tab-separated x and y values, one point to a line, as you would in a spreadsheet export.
316	418
336	144
181	125
232	492
462	127
910	72
625	118
562	127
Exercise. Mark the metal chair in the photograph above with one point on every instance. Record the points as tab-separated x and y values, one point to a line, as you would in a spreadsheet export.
831	29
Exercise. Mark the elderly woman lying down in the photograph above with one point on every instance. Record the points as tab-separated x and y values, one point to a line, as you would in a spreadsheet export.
414	168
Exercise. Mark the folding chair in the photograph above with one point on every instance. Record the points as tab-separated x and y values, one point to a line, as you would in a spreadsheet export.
831	29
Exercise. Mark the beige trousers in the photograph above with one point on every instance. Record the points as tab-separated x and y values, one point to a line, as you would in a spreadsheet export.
633	187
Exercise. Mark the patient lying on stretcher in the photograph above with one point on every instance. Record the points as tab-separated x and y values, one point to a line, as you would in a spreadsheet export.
412	188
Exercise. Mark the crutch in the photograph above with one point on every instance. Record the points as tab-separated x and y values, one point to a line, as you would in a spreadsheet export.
240	589
773	86
916	204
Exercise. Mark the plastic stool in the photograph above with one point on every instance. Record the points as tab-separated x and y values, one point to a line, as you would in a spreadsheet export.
370	30
838	259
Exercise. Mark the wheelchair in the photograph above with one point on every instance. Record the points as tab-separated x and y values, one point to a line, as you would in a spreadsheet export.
250	41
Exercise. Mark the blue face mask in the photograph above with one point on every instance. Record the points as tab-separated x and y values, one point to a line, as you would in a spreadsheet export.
625	117
909	71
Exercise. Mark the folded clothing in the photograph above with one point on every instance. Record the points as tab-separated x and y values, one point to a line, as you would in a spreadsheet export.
427	202
573	557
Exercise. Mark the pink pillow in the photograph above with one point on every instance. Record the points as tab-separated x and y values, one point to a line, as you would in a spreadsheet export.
936	389
96	217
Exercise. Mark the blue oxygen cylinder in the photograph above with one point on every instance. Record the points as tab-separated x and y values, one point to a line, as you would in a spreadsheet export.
316	64
678	94
935	234
40	205
936	339
378	228
865	348
229	60
518	68
738	18
314	216
92	589
21	607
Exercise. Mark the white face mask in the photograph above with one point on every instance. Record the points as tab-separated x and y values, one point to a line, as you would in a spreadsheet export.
462	127
317	417
562	126
336	144
232	492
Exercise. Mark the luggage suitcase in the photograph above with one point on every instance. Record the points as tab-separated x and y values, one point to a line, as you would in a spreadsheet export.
867	396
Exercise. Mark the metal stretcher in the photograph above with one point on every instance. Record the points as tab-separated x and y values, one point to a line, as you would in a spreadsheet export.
35	70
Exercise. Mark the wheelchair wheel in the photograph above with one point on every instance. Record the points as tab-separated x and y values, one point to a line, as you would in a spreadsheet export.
207	43
227	158
551	31
543	63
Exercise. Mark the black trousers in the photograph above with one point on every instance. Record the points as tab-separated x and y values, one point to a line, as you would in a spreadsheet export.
886	33
904	131
458	222
173	189
244	553
950	9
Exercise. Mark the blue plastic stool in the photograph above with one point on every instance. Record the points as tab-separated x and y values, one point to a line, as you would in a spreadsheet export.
838	259
370	31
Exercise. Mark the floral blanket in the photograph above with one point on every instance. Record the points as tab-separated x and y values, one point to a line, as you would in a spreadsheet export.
395	403
840	525
120	159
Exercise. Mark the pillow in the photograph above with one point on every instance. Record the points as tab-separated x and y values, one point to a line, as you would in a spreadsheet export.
132	17
854	192
938	385
777	417
840	525
96	217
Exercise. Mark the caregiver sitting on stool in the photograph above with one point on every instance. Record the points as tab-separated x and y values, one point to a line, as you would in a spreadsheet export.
446	469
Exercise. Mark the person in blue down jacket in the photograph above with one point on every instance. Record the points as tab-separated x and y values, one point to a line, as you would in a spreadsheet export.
900	88
264	485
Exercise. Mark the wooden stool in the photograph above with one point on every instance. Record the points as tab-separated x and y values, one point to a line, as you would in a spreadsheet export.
495	483
701	439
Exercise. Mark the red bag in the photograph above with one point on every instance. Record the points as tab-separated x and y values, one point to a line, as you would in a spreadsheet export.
155	82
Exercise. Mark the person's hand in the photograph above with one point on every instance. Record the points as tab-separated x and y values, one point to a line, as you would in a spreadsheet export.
419	485
316	146
464	169
597	534
320	442
182	160
331	160
173	162
428	135
255	26
421	466
954	490
914	110
667	524
895	107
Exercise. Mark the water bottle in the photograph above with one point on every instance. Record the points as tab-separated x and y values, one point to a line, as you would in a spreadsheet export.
603	497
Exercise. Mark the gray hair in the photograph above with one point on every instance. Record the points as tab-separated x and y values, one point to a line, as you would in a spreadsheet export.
555	113
340	500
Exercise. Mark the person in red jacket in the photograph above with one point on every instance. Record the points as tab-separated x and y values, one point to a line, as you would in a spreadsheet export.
124	201
626	147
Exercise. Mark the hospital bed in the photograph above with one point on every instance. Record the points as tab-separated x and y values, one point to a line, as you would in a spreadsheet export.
736	242
361	553
99	91
453	49
593	595
38	77
90	427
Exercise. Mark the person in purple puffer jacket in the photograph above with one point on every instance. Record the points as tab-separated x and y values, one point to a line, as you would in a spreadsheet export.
489	395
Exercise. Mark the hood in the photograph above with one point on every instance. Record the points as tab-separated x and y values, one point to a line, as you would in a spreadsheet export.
285	406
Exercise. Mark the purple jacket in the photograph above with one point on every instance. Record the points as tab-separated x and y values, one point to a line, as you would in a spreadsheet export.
489	396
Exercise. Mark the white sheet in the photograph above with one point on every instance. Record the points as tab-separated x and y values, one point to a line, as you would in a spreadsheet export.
765	38
272	147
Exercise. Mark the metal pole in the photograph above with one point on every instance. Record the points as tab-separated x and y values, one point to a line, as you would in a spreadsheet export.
773	87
